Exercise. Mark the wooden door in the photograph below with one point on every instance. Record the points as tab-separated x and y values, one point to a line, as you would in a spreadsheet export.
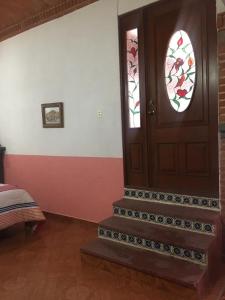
172	149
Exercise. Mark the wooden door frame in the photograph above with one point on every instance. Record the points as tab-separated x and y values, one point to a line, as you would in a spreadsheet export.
212	63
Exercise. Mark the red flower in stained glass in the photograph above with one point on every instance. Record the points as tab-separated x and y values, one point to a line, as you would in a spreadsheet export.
180	81
137	104
179	62
180	41
133	51
182	93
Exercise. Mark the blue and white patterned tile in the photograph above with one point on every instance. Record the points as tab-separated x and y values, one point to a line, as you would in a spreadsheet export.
189	225
155	246
169	198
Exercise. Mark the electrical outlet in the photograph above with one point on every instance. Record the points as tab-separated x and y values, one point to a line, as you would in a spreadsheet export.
100	114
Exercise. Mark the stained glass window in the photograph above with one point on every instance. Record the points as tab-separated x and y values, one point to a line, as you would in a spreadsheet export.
133	79
180	71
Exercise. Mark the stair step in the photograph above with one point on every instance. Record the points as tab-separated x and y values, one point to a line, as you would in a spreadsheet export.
168	241
190	218
166	267
171	198
149	231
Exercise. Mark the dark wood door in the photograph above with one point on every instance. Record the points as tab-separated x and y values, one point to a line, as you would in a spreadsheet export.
174	149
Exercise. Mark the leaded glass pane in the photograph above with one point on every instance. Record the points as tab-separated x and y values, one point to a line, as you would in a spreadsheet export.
133	79
180	71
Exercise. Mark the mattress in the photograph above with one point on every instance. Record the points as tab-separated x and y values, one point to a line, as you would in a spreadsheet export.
16	206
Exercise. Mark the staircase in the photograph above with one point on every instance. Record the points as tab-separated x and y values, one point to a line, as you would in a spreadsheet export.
171	236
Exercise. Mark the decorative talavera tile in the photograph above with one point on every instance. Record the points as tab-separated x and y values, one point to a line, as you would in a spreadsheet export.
201	202
155	246
189	225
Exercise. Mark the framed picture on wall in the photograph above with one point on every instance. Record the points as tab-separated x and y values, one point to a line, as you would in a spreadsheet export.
52	115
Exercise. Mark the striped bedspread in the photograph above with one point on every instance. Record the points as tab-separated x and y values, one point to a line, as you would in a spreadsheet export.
16	206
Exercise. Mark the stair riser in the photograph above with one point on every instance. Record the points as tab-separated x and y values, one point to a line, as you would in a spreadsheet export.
167	221
156	246
175	199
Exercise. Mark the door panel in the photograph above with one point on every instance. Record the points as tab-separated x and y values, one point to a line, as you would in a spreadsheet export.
197	159
136	159
167	158
134	139
187	131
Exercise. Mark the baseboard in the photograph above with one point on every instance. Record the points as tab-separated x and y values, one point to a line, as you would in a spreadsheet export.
58	215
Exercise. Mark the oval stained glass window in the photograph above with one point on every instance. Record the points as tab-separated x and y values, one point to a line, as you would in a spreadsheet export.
180	71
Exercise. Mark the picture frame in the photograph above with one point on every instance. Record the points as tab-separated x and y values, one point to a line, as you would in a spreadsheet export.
52	115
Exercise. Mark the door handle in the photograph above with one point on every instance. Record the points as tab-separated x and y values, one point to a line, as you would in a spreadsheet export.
151	108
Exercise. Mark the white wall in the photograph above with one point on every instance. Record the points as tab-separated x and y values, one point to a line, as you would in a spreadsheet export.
127	5
220	6
73	59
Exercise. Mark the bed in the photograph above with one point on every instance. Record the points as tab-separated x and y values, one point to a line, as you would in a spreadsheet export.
16	206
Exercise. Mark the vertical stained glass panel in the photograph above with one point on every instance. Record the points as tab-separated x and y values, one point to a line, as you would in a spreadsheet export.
180	71
133	79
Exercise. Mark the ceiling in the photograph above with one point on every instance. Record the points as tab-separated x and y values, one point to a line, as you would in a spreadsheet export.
15	11
19	15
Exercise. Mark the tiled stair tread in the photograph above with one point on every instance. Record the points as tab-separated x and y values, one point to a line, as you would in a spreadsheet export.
189	213
166	267
171	236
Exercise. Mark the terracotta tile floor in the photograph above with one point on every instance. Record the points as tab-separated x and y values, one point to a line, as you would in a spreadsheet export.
48	266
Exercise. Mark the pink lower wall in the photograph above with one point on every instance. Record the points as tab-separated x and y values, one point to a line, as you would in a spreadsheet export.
81	187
